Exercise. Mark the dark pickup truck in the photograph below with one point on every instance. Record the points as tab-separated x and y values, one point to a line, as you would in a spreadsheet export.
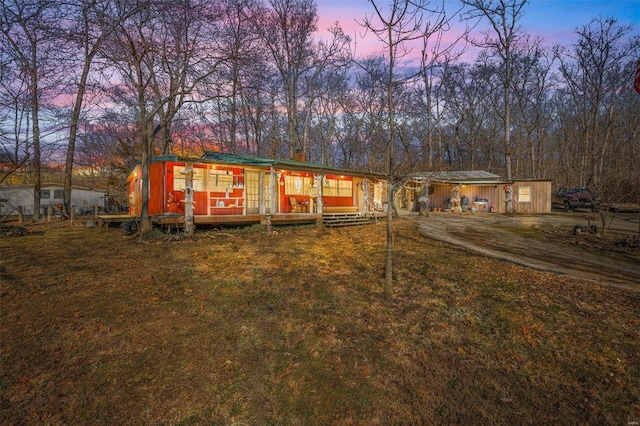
574	198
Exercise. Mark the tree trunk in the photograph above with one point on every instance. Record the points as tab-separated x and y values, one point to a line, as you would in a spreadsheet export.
73	131
423	201
35	123
147	152
388	266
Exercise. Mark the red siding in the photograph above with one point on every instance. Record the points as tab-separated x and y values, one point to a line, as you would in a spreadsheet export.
163	198
337	201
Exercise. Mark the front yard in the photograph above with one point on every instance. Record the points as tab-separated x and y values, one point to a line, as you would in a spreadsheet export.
240	327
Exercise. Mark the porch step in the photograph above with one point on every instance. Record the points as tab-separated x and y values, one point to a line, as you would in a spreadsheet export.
333	220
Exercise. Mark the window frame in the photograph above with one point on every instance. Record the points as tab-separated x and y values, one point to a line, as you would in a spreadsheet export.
525	194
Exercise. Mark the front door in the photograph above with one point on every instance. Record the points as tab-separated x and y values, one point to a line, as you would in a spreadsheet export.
252	191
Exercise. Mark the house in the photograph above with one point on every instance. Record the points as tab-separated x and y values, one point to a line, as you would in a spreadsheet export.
230	188
478	191
51	194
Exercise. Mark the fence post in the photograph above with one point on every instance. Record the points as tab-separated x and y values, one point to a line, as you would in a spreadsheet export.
49	213
72	214
20	215
95	211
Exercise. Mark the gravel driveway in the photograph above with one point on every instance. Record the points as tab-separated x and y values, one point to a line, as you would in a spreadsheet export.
511	238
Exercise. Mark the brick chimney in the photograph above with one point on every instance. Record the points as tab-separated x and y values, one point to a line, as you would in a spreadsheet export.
300	156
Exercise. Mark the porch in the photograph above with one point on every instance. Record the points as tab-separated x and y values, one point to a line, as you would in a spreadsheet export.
333	218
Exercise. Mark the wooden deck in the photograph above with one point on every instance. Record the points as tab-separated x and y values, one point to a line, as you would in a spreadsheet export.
326	219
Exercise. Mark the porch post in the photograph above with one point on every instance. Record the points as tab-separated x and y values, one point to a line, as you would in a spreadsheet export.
188	200
320	203
261	197
272	195
365	190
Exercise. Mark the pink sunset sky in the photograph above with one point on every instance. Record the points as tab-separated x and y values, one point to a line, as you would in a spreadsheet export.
553	20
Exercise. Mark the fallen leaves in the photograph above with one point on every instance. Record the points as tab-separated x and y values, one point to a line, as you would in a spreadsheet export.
293	326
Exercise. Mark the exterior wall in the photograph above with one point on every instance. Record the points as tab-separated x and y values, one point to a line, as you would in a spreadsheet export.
211	199
528	196
540	196
537	201
206	201
157	197
327	200
334	201
22	195
175	199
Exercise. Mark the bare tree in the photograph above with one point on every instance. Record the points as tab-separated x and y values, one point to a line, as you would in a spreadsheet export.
467	90
593	74
131	49
286	29
162	52
14	107
246	65
596	81
394	25
26	39
503	17
330	59
532	66
436	53
365	144
187	55
332	103
86	29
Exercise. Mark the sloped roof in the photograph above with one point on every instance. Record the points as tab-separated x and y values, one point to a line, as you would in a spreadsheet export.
246	160
213	157
459	177
224	157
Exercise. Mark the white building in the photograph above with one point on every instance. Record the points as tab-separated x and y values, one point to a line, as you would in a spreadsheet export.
12	196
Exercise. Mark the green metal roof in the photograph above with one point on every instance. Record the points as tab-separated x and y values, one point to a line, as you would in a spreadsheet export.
223	157
246	160
213	157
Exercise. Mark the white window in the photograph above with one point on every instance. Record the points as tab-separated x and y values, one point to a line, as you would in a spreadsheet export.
524	194
45	194
179	179
337	188
297	185
220	181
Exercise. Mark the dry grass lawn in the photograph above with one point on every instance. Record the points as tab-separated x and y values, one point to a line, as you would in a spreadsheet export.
245	328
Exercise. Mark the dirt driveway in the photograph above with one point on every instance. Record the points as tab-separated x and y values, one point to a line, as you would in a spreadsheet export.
546	242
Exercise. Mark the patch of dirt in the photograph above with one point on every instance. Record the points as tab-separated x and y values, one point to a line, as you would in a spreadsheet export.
13	231
547	242
18	231
624	247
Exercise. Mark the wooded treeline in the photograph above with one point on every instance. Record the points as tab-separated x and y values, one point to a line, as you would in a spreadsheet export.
100	84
